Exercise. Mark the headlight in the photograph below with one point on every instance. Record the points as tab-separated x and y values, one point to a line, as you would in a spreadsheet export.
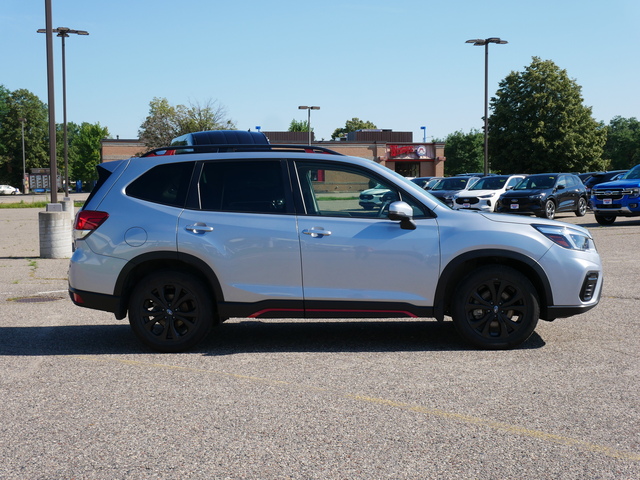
567	237
537	196
631	192
489	195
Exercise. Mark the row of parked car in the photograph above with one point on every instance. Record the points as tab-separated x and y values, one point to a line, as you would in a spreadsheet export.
609	194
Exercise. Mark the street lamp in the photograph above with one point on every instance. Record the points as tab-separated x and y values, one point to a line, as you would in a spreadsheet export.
308	109
424	134
24	163
63	32
480	42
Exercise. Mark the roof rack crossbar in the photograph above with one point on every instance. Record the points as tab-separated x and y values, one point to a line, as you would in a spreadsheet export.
227	148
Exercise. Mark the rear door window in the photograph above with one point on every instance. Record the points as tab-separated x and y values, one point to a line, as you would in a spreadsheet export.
243	186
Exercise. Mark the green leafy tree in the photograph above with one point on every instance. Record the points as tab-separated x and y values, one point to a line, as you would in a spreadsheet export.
166	121
623	143
299	126
86	152
539	124
14	106
464	152
351	126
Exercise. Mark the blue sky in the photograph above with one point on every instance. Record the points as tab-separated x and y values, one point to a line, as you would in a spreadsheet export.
400	64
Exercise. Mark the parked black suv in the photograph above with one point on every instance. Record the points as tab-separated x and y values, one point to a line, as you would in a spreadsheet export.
544	195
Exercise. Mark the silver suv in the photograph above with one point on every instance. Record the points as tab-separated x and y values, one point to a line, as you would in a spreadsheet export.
180	243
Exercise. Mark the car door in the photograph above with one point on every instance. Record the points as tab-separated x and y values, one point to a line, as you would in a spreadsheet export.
357	259
243	227
566	194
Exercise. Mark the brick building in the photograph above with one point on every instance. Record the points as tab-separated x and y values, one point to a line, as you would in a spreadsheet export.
396	150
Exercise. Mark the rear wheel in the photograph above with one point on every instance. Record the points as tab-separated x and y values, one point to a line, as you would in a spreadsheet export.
170	311
605	219
582	208
495	307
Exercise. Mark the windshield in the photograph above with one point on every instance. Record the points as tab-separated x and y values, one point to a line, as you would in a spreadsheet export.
633	173
451	183
490	183
537	182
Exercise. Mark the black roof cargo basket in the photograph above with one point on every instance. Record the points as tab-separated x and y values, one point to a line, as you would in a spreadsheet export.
226	148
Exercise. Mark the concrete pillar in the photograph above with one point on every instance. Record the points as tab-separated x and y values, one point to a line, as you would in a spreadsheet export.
55	232
67	206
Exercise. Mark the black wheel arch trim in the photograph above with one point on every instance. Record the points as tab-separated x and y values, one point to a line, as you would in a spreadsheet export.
139	266
463	264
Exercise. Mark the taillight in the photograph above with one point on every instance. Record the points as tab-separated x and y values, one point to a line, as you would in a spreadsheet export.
87	221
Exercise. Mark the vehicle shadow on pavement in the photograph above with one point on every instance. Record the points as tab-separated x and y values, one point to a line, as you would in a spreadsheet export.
346	336
246	337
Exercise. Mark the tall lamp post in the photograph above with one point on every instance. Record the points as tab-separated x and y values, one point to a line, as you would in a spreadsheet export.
24	159
478	42
424	134
63	32
308	109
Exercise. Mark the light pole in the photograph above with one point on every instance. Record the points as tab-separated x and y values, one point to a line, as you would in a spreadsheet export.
485	42
424	134
24	169
63	32
308	109
24	162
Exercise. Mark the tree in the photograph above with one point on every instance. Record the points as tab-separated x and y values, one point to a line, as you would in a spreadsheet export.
623	143
16	105
165	122
351	126
86	144
539	124
299	126
464	152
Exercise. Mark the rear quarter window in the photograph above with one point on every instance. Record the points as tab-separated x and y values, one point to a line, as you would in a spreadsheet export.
164	184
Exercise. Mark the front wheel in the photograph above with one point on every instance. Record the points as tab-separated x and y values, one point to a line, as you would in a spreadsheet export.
605	219
582	208
550	209
170	311
495	307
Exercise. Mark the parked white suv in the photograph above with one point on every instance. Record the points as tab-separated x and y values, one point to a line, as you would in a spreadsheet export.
180	243
484	194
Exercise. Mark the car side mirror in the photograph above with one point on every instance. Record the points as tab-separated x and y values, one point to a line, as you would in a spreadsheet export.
402	211
560	187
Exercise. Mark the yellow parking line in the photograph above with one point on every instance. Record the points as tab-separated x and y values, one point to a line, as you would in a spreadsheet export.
505	427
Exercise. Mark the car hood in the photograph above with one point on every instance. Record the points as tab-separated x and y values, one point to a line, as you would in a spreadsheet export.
476	193
442	192
520	220
525	193
624	183
374	191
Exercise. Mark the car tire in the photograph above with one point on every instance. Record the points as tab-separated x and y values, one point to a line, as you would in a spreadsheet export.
170	311
605	219
549	209
495	307
581	211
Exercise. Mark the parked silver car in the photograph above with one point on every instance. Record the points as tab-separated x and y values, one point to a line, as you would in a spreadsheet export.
180	243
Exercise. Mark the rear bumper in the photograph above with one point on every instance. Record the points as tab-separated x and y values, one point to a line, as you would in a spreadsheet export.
98	301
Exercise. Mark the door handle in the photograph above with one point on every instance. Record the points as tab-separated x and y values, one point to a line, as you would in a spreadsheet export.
199	227
316	232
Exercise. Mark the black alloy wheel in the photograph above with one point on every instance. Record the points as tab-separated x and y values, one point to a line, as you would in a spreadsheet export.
495	307
170	311
605	219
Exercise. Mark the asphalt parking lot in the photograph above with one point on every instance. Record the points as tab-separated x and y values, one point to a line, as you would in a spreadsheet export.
388	399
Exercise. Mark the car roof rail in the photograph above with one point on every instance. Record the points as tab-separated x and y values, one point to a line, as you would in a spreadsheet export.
228	148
